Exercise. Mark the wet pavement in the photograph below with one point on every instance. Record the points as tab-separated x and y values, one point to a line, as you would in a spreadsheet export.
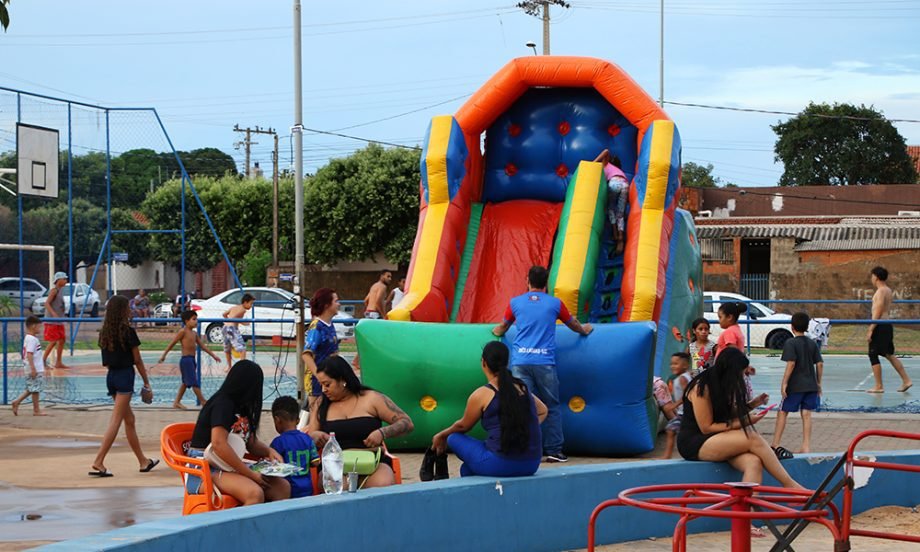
60	514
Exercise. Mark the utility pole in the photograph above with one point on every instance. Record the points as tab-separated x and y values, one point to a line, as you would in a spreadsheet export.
661	60
275	177
297	132
248	143
540	8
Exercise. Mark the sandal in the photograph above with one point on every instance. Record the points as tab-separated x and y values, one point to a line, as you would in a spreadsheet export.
782	454
151	463
104	472
757	532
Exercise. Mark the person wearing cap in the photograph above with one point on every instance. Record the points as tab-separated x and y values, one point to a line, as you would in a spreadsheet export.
54	308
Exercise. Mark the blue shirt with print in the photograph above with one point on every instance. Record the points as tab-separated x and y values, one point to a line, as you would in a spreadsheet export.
535	314
297	448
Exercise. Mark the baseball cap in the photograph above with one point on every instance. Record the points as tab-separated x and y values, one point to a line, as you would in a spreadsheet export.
59	276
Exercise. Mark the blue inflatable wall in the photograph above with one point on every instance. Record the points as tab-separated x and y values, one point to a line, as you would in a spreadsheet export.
524	161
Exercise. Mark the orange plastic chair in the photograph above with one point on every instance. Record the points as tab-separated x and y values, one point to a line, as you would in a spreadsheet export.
174	441
318	485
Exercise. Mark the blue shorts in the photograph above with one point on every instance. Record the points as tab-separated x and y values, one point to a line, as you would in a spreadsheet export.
805	401
120	381
193	482
189	371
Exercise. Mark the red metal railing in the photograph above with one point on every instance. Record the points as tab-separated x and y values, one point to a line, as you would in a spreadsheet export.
853	462
728	501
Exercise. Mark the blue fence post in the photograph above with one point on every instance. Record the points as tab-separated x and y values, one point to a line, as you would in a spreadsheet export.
70	277
5	377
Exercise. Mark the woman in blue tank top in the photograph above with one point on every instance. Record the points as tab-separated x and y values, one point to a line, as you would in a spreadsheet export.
511	417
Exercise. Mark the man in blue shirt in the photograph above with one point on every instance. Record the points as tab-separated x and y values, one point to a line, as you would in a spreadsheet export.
533	352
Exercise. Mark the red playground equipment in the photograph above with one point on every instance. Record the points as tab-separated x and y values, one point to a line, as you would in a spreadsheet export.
743	502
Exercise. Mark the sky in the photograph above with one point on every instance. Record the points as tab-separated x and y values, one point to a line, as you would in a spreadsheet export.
381	70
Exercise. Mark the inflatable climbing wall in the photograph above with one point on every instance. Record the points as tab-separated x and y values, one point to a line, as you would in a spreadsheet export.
509	182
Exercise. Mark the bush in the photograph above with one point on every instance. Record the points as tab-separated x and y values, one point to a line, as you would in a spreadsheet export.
255	264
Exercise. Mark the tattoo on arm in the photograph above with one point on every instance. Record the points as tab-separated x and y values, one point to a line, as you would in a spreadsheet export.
400	423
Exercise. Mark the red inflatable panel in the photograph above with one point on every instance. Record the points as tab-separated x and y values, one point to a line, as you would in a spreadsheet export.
513	236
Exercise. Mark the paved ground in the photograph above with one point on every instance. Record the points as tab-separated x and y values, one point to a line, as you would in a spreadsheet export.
54	453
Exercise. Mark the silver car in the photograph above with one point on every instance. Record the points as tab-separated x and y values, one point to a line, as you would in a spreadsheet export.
31	290
83	295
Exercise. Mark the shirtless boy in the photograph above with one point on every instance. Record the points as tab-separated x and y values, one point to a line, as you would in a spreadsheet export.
191	340
375	301
233	339
881	336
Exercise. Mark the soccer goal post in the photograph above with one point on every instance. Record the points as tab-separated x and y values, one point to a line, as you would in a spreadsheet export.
28	247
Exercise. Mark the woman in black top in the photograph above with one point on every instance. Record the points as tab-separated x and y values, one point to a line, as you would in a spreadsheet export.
355	414
717	425
236	408
121	354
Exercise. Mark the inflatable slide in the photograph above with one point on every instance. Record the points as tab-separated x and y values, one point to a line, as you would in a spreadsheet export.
509	182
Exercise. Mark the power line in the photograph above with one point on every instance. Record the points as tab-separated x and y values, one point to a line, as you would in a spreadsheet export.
776	112
391	117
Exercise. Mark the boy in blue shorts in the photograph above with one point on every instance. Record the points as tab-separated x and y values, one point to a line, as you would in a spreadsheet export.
801	387
191	340
295	446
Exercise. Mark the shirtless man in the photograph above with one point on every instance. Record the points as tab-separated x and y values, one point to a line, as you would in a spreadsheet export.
375	301
881	336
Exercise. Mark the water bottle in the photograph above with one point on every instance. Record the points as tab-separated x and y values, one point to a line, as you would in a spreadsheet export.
333	466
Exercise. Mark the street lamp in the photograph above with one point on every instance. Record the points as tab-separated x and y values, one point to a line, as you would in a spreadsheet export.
532	45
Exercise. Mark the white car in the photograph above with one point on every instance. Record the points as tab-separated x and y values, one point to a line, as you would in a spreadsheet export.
83	295
270	303
31	290
770	336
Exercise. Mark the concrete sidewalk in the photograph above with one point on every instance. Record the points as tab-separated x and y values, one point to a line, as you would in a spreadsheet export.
56	452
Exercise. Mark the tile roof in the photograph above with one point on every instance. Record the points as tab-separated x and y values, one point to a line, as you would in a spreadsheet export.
842	234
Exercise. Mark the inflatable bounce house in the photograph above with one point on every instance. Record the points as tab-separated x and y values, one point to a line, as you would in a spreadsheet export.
509	182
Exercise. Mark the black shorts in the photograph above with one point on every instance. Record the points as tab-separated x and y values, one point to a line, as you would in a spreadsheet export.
120	381
881	343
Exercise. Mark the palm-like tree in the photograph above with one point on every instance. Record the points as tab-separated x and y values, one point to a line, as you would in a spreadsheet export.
4	15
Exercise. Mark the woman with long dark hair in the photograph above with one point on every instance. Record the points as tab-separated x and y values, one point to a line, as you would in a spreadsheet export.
121	354
236	408
717	425
355	413
511	416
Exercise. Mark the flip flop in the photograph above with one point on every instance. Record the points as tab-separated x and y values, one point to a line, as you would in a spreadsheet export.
151	463
876	391
782	453
905	388
101	473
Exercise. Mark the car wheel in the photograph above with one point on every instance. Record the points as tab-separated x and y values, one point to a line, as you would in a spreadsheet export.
214	334
95	312
777	339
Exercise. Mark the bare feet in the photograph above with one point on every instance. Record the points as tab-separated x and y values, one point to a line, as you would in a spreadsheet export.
876	390
40	413
61	367
905	387
15	406
179	405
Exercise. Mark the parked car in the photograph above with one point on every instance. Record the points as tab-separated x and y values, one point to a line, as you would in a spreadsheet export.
771	336
271	303
83	295
31	290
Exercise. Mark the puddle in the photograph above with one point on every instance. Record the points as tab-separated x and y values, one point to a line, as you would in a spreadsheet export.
61	514
55	443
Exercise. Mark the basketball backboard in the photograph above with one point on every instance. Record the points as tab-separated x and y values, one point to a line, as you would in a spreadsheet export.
37	152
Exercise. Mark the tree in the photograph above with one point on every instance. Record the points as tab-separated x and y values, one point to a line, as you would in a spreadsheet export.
841	145
4	15
361	205
697	176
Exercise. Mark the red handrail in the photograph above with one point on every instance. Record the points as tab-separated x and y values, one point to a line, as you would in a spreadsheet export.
852	462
